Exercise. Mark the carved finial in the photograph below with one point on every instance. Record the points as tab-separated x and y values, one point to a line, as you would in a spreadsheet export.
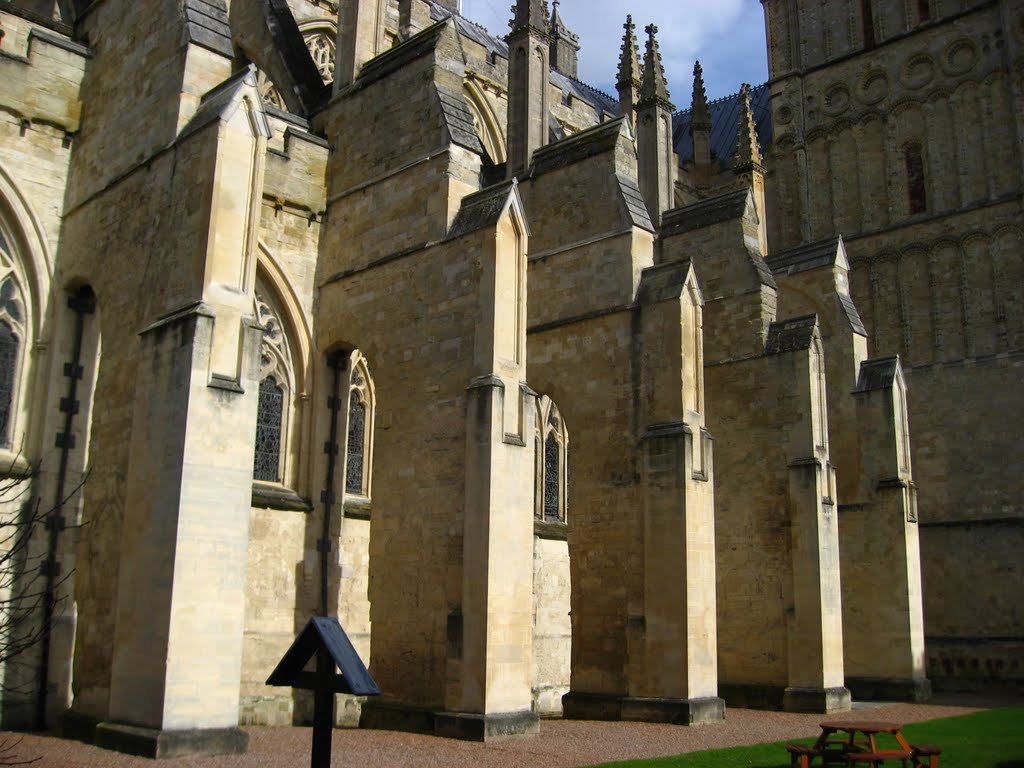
655	87
699	107
530	13
630	71
748	149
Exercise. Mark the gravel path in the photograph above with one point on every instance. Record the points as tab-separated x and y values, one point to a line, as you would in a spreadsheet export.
562	743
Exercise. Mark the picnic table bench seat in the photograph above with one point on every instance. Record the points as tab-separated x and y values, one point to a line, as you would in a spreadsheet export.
925	755
879	758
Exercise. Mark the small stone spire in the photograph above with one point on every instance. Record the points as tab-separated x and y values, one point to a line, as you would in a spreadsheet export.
699	106
530	13
565	44
630	72
655	86
748	149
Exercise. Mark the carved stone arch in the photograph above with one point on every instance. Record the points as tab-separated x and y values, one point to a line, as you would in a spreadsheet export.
817	133
938	94
870	115
270	273
975	236
843	124
487	124
26	237
904	104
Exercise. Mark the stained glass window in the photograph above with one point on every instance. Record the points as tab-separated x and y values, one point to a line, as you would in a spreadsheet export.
551	475
8	366
356	446
552	472
269	417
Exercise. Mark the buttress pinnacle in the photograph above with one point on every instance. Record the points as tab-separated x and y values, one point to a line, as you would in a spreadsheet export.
748	149
699	107
655	86
630	71
530	13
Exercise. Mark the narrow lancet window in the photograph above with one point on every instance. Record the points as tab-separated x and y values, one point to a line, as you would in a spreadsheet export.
924	10
868	20
917	198
9	347
356	446
552	464
269	417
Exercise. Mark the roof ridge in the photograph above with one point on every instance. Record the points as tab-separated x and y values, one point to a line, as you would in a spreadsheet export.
722	99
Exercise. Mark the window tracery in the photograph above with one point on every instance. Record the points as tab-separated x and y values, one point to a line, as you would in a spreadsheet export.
552	464
321	46
275	395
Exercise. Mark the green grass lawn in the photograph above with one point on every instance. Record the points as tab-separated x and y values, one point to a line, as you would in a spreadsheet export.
989	739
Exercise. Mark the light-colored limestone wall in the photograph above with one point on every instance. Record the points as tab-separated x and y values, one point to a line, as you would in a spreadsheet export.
939	286
605	525
40	75
776	530
552	625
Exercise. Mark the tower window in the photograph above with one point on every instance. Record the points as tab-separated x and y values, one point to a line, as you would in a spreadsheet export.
917	200
868	19
924	10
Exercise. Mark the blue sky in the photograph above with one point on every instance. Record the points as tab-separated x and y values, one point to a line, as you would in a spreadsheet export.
727	36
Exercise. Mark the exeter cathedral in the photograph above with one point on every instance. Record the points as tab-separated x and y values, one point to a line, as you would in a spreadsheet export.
630	406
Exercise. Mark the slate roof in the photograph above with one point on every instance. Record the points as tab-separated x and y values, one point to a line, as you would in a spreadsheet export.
877	374
725	115
496	46
806	257
791	335
481	209
207	25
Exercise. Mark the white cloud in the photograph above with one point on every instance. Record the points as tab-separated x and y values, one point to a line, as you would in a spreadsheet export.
726	35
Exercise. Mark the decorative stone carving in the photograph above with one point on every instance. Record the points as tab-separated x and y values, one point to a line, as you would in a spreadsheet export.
918	72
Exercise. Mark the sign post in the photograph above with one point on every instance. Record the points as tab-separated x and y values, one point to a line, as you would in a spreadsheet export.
324	637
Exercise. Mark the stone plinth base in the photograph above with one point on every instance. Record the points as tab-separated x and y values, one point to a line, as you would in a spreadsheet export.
77	727
596	706
818	700
752	696
157	744
449	725
889	689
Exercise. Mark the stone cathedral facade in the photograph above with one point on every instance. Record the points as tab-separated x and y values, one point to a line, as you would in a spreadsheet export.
563	403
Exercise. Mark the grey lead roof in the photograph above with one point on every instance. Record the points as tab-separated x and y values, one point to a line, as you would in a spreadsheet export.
725	115
724	112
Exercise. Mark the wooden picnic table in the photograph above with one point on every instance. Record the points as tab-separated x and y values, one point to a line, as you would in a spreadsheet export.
861	735
855	743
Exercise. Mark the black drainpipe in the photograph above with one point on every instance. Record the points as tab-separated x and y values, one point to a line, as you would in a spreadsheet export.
337	362
82	303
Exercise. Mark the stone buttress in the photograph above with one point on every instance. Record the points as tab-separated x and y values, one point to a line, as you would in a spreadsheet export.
776	537
426	275
883	635
640	527
163	202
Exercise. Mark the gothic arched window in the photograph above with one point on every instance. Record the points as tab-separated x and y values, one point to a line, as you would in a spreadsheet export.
12	335
275	396
552	464
359	442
